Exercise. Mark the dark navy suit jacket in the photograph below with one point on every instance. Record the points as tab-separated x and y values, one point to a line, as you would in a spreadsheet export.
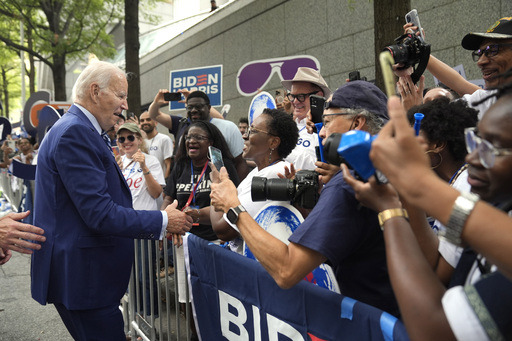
85	207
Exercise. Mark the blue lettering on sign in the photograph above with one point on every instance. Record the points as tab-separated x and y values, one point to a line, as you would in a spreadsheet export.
206	79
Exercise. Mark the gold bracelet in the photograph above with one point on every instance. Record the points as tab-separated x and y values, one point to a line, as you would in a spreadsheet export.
391	213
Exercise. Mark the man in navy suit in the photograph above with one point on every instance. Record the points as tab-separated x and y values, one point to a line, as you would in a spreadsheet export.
85	207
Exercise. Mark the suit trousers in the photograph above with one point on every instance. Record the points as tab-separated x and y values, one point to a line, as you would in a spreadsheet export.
102	324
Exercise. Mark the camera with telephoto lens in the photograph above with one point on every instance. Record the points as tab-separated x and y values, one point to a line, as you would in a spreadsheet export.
353	149
303	190
408	51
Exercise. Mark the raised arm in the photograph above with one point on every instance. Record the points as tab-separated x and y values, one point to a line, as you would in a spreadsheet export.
154	110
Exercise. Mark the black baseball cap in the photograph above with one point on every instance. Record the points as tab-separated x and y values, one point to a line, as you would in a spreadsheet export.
501	29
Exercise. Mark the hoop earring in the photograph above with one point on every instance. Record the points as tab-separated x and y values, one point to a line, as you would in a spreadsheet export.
270	156
440	158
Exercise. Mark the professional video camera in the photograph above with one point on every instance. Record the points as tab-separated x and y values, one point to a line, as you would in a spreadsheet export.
302	190
408	51
352	149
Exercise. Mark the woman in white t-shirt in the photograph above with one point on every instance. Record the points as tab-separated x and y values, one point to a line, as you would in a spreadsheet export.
270	138
145	177
142	171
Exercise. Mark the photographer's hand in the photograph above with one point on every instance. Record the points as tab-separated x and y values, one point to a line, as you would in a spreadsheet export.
378	197
326	171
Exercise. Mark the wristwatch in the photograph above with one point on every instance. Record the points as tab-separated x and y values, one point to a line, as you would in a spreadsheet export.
234	212
461	210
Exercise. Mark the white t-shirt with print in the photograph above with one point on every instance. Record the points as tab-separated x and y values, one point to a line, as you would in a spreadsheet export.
303	156
133	175
161	147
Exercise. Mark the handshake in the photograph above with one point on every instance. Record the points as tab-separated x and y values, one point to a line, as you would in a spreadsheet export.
178	222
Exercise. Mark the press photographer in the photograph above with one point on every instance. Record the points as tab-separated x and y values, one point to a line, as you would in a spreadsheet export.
337	229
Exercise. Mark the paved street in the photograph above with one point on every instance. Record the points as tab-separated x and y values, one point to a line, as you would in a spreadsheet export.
22	318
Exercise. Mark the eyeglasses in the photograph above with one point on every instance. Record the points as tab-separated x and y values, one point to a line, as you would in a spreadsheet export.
486	151
122	139
489	51
254	75
196	137
300	97
194	106
252	130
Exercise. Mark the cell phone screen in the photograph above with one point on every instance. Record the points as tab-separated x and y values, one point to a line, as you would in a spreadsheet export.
172	96
216	157
317	108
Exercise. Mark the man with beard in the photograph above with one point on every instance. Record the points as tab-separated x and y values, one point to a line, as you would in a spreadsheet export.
159	145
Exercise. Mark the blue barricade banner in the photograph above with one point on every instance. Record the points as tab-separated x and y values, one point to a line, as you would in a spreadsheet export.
234	298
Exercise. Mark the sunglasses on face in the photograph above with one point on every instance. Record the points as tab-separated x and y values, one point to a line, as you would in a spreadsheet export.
489	51
300	97
122	139
486	151
256	74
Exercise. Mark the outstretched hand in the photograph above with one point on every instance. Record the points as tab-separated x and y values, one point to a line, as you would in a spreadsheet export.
178	222
13	234
223	192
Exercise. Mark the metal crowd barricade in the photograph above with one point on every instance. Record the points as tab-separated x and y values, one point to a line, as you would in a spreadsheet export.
150	307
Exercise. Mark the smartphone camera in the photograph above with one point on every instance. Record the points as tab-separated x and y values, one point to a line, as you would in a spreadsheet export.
172	96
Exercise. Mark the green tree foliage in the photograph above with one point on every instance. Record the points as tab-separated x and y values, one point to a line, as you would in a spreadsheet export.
61	30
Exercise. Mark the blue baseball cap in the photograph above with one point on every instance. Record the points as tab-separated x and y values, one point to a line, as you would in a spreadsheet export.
360	95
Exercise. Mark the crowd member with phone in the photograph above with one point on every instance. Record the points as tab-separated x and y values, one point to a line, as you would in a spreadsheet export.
189	183
26	151
492	51
199	109
306	82
481	309
282	101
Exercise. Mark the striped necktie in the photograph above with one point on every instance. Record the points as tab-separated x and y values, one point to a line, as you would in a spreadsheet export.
106	139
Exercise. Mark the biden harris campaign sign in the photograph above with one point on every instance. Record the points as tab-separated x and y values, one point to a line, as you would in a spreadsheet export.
234	298
206	79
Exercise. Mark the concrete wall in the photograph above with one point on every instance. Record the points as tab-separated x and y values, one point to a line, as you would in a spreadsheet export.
339	33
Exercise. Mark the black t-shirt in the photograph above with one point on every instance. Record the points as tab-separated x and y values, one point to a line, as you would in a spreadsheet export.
180	184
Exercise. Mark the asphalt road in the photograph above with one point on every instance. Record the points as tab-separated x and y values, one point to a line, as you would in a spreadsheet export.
22	318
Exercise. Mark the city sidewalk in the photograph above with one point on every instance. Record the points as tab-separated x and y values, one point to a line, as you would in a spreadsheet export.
22	318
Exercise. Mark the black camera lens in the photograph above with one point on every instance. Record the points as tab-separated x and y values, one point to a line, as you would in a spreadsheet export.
258	192
331	144
272	189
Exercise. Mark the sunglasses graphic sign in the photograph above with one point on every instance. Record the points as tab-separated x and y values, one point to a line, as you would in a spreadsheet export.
207	79
254	75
